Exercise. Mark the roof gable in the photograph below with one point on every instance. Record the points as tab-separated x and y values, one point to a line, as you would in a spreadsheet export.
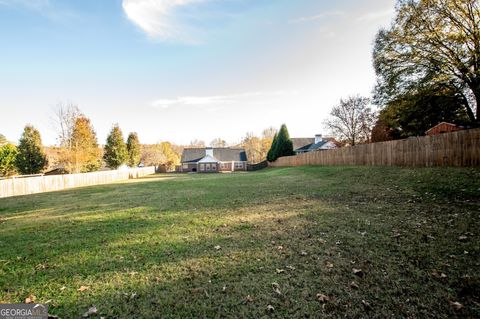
317	145
302	142
208	159
193	155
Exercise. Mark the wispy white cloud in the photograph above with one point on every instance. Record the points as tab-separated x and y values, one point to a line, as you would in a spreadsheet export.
218	100
376	15
45	8
28	4
157	18
319	16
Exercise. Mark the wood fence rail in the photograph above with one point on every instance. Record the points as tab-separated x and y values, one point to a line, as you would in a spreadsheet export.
39	184
461	148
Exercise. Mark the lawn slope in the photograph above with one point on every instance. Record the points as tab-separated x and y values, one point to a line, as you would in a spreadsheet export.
293	242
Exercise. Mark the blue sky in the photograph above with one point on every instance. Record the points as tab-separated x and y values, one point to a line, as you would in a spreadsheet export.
184	69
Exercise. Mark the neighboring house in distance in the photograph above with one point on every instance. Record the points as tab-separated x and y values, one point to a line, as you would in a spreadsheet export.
305	145
213	160
443	127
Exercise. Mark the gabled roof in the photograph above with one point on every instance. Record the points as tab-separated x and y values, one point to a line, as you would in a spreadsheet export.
444	123
301	142
208	159
312	146
193	155
317	146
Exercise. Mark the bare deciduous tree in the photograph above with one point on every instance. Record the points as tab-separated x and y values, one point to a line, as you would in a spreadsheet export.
197	143
218	142
65	115
352	120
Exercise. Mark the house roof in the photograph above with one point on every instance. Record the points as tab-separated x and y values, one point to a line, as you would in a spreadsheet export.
301	142
444	123
317	146
312	146
193	155
208	159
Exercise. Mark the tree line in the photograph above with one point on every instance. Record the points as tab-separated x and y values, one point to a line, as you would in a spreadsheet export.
78	150
427	64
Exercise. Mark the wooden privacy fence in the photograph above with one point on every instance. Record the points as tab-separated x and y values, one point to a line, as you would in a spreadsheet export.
460	148
39	184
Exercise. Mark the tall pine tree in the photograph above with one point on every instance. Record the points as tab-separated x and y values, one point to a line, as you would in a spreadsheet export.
115	151
271	151
31	158
284	143
281	146
133	148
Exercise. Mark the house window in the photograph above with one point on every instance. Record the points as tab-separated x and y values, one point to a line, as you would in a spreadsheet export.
202	167
185	166
239	165
214	167
223	165
208	167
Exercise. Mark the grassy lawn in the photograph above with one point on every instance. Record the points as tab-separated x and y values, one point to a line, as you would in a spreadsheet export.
279	243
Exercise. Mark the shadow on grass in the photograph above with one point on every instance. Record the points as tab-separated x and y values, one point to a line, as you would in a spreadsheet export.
147	249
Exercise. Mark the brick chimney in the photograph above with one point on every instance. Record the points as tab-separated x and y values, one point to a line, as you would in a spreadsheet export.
209	151
318	138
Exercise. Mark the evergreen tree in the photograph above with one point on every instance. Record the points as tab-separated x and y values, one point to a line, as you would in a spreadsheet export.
271	151
115	151
31	158
8	156
133	148
281	145
284	145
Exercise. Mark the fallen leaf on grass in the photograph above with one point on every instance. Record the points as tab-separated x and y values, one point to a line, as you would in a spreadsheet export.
90	311
366	304
63	288
456	305
291	267
354	285
270	308
276	288
248	298
280	271
357	272
303	253
329	264
323	298
463	238
30	299
83	288
217	247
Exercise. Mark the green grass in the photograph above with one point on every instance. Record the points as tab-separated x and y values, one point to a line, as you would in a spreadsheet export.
147	248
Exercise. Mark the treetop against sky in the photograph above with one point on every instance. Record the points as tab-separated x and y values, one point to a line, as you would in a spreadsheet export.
178	70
